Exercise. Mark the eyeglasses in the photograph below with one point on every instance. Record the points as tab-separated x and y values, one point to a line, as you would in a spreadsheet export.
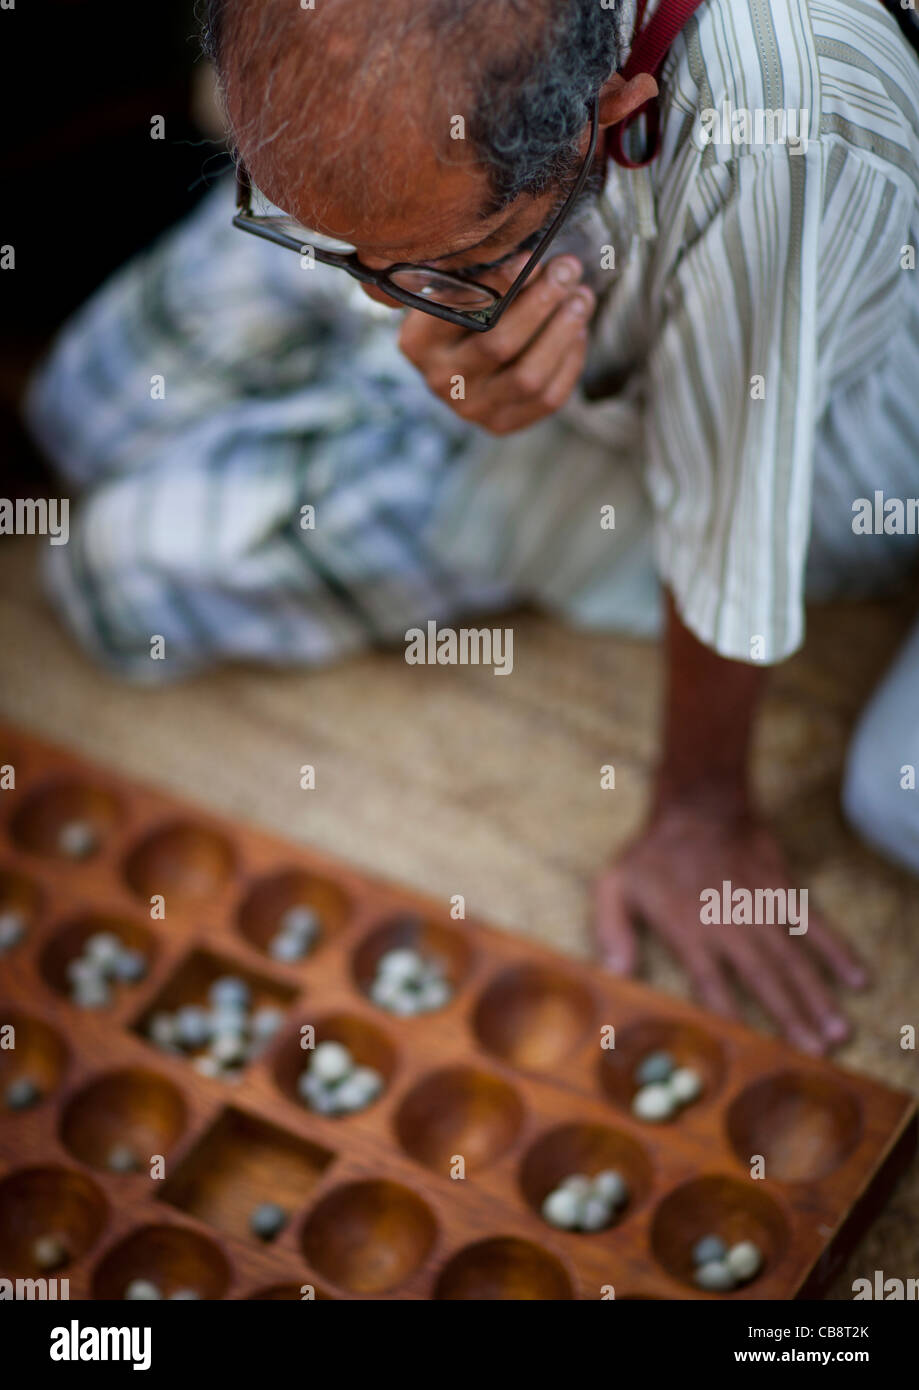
446	295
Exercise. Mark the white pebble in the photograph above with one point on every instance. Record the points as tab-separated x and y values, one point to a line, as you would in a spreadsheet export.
266	1022
287	948
611	1186
352	1095
562	1208
82	970
331	1062
385	992
229	1050
162	1030
77	839
744	1260
369	1078
402	964
50	1252
714	1276
142	1290
653	1103
92	994
12	929
435	994
685	1085
578	1185
104	948
229	992
301	922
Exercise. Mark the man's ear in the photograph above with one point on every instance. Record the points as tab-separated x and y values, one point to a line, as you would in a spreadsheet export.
619	98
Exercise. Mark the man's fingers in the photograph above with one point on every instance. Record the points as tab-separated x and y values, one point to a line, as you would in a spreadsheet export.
766	985
485	353
613	929
790	956
701	964
531	374
423	334
839	956
707	978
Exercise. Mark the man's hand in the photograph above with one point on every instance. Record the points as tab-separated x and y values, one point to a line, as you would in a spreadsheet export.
659	879
523	369
703	830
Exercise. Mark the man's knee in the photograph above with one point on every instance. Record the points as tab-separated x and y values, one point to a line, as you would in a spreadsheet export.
879	794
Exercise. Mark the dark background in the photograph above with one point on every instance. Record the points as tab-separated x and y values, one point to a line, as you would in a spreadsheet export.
83	184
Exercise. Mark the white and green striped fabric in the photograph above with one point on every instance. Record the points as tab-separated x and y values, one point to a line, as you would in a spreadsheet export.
754	369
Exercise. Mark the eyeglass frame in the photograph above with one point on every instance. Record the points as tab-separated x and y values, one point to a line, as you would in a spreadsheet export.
477	320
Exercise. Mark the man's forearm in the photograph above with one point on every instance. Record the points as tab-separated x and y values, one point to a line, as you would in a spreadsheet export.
710	703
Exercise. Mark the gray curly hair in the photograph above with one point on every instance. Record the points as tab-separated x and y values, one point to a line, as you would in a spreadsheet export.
527	69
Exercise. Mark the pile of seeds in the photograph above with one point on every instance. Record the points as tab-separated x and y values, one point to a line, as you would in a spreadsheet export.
226	1035
663	1087
407	983
297	934
12	929
104	963
720	1268
333	1083
580	1203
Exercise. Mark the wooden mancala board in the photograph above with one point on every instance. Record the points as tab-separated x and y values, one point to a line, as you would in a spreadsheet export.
512	1076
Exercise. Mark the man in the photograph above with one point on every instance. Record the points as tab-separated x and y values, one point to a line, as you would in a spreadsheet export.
721	347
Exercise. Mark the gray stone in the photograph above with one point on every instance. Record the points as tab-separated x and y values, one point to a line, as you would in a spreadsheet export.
130	966
654	1068
12	929
267	1220
121	1158
22	1093
193	1026
231	992
708	1248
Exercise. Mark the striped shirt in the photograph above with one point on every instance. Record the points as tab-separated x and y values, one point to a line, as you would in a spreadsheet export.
760	332
753	371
